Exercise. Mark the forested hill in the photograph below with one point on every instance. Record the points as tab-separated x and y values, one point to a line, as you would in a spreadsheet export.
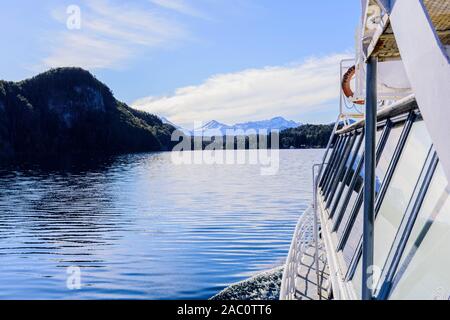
67	110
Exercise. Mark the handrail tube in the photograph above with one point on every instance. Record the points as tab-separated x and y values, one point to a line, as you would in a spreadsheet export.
369	179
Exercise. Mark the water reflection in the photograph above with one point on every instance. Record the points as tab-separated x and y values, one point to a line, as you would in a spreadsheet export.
139	226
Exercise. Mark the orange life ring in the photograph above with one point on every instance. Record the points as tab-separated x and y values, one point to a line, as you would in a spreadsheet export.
348	92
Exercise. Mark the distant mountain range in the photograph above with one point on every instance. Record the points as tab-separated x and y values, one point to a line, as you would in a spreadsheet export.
68	111
215	128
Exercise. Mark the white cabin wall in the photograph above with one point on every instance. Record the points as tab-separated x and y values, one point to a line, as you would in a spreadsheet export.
428	69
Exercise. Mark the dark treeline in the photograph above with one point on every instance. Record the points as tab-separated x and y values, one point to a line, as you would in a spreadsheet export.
304	137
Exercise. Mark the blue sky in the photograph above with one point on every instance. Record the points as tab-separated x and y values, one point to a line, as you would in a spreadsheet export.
193	60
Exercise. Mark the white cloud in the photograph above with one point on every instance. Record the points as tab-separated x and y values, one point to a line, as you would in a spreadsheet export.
110	34
87	52
290	91
180	6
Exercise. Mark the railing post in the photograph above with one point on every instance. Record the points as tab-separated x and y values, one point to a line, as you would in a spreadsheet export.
369	179
316	229
316	179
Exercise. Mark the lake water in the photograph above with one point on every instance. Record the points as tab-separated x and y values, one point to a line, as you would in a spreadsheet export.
141	227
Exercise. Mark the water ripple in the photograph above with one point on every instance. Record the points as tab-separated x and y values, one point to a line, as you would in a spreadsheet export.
140	227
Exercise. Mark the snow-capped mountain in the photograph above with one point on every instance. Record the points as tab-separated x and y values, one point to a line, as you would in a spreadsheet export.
212	128
215	128
214	125
277	123
167	121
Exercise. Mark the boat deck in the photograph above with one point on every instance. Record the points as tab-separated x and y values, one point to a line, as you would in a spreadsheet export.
301	279
307	285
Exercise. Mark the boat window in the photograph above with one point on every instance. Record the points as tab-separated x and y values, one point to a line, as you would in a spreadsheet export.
387	154
399	191
344	200
330	157
336	161
350	168
423	269
348	199
331	150
382	167
341	168
398	195
345	203
355	149
331	161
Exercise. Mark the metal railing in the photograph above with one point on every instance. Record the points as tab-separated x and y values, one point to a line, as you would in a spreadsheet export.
303	237
306	232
